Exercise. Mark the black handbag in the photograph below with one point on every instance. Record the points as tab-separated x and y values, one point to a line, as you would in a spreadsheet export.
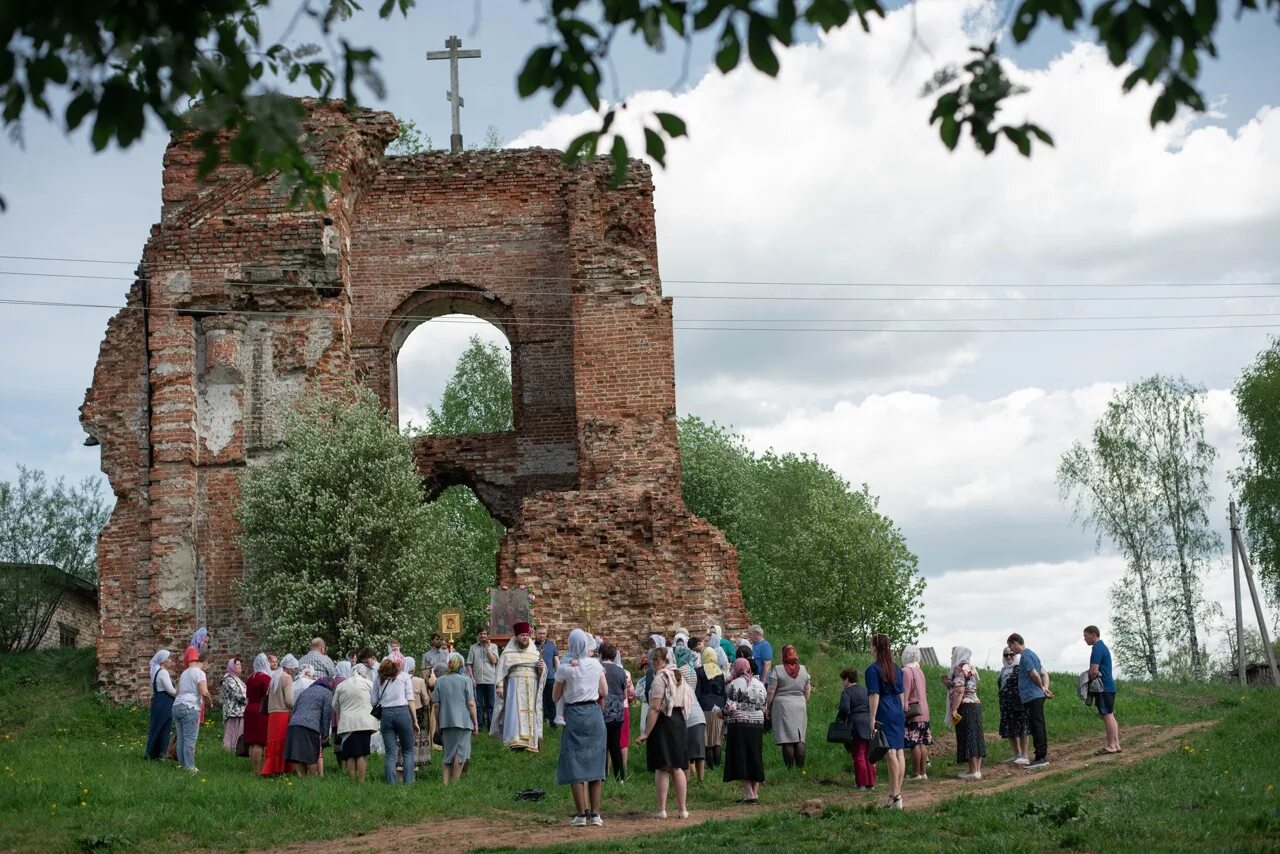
839	732
879	747
376	710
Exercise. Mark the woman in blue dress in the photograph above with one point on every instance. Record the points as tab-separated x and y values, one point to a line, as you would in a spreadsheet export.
884	690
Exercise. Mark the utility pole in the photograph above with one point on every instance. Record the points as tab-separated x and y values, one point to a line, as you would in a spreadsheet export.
453	95
1235	578
1238	544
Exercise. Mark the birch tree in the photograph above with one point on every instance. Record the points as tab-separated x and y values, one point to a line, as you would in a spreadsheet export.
1105	485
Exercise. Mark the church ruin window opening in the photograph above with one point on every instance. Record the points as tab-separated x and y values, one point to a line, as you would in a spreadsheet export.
453	376
466	540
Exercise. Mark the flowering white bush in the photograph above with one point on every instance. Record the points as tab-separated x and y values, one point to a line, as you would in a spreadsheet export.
335	533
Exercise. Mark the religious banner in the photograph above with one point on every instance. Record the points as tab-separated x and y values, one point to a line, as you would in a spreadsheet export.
450	621
508	606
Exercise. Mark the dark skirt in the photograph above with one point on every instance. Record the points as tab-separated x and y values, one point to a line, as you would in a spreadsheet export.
695	738
667	745
160	726
583	744
744	752
970	741
302	745
353	745
1013	715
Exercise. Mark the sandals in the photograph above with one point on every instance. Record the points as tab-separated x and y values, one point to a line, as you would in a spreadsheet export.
1102	751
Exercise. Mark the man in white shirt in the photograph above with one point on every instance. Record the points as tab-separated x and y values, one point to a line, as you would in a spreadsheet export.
482	667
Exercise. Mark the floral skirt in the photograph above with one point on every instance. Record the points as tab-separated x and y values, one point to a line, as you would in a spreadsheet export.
918	734
1013	716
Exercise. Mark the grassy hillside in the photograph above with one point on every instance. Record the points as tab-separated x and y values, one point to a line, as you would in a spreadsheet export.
72	776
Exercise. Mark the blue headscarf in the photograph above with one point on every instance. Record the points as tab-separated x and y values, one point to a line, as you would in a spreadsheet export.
579	643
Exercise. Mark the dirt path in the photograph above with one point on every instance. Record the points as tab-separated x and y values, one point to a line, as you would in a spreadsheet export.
501	829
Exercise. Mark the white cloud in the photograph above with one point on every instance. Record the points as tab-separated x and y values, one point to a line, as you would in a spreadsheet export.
831	173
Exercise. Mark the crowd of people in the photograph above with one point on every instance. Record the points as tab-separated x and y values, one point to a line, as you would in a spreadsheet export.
704	702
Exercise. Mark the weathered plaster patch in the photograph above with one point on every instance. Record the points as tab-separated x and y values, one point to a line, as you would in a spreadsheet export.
176	576
219	414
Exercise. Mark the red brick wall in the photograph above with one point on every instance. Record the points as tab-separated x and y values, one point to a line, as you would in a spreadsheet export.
588	482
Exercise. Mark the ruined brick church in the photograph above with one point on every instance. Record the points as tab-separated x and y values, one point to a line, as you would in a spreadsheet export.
241	306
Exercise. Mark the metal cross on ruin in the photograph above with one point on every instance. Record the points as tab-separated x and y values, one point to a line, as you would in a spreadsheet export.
453	96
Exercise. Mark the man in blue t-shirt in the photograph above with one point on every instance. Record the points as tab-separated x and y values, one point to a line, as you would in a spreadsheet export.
1100	668
1033	690
762	652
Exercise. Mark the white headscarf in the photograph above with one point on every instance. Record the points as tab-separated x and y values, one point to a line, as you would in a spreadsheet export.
658	641
288	663
156	660
261	664
713	643
579	643
409	666
960	655
344	669
910	655
681	638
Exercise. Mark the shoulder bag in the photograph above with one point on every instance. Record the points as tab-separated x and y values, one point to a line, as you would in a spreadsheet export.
839	732
913	706
879	747
376	710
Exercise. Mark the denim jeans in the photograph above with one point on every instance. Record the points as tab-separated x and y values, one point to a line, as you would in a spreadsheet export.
397	740
485	698
187	721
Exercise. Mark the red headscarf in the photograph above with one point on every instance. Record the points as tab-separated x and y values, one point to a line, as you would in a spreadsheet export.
791	661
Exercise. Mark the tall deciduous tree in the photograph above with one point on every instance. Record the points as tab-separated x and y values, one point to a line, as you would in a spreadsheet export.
335	532
1110	495
477	398
45	522
1150	447
1258	478
815	556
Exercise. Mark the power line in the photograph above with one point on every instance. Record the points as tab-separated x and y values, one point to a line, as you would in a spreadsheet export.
678	281
365	288
260	313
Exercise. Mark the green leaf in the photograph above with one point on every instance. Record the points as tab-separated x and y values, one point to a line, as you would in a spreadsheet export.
1040	133
759	46
582	147
536	70
729	52
81	105
672	124
949	131
619	157
1019	137
655	147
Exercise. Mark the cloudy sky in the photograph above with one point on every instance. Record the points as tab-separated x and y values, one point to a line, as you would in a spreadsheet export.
951	359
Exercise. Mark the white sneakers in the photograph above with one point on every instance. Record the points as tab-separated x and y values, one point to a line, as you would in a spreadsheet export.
967	775
1020	760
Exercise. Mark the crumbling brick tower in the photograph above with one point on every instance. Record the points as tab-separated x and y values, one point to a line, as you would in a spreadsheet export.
242	305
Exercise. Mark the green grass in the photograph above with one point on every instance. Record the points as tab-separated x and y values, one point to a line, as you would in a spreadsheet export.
72	777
